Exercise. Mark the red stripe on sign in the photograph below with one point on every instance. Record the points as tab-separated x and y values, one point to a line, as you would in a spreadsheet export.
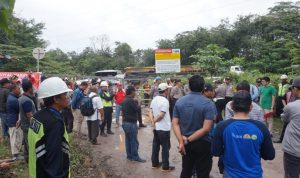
169	50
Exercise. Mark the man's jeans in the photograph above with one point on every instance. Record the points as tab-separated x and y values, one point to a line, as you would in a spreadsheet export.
131	142
117	112
197	156
291	166
4	126
161	138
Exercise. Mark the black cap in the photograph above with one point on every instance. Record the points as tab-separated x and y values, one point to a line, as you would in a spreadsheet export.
258	80
4	81
208	87
129	90
227	78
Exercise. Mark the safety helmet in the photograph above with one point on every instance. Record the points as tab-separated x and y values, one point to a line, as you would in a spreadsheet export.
284	77
51	87
104	84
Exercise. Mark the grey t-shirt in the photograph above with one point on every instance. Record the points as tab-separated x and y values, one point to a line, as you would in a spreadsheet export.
291	140
26	105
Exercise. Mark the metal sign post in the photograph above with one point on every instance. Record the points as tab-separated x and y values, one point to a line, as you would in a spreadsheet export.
38	54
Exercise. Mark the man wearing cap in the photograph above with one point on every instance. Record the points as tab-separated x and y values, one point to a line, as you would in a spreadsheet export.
107	102
291	140
130	109
78	95
193	119
147	89
27	110
154	90
161	121
119	97
48	141
283	88
4	92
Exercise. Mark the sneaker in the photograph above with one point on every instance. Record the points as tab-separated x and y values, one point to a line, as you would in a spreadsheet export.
103	134
140	160
156	166
171	168
110	132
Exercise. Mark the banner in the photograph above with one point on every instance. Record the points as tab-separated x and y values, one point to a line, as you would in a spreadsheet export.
35	77
167	60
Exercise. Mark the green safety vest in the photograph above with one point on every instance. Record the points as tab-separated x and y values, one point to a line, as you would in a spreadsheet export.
283	89
106	103
37	148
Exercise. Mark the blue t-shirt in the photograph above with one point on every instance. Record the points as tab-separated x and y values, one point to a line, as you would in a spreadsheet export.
192	110
243	143
12	109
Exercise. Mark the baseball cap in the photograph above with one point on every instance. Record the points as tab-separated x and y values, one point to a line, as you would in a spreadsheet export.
208	87
258	80
227	78
119	84
296	82
163	87
158	78
4	81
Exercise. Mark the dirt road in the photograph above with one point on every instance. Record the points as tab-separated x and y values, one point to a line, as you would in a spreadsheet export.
110	158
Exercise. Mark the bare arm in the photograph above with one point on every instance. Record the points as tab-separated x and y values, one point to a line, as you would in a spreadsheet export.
101	113
273	102
176	129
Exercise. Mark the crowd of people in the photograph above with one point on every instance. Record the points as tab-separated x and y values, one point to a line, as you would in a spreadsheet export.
233	123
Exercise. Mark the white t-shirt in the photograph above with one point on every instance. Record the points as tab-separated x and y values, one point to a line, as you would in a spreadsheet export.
161	104
97	104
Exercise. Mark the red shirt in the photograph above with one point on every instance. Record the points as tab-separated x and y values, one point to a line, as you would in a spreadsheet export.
120	96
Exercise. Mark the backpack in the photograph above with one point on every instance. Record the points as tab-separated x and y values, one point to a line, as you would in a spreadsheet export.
86	106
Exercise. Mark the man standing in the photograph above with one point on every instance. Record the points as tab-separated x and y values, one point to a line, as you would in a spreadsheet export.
107	99
267	101
147	89
161	121
175	94
220	100
130	116
138	100
4	92
93	120
229	89
242	141
78	94
193	118
154	90
48	141
256	112
13	121
291	139
283	88
27	110
119	97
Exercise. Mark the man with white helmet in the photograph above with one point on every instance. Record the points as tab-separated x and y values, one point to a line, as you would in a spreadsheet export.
47	137
107	103
283	88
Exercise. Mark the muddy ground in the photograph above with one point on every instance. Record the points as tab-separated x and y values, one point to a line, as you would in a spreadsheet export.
109	158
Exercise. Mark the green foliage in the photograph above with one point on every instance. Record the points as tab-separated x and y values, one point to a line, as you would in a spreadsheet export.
6	9
210	58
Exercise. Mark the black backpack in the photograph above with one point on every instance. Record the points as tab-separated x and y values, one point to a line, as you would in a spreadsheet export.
86	106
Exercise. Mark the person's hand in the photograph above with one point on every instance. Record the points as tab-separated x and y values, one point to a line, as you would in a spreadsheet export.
5	165
181	149
185	140
18	123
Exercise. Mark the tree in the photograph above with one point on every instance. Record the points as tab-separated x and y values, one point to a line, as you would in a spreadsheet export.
6	9
164	43
210	58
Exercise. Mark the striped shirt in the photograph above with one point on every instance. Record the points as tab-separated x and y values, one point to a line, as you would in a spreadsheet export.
256	113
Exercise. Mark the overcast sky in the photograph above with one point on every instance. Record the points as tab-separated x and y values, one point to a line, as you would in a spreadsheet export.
71	23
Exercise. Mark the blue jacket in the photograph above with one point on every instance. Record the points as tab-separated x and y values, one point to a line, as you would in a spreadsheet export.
76	98
12	109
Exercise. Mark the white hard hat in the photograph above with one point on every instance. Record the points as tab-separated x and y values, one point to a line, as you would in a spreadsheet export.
284	77
163	86
104	84
51	87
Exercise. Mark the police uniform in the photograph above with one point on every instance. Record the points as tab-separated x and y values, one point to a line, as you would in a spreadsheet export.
48	145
